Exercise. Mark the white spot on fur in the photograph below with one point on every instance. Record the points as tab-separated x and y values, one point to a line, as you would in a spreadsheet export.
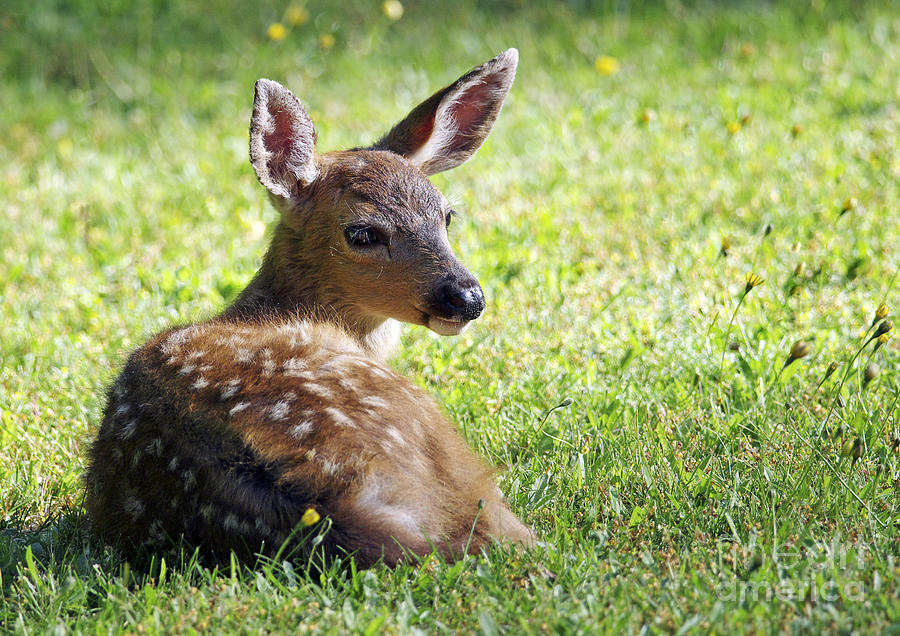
329	467
262	527
318	390
340	363
174	340
298	332
200	383
155	447
231	522
188	368
190	481
128	429
173	464
136	459
231	389
122	409
382	506
339	418
347	384
133	507
243	356
395	435
180	337
268	364
301	430
195	355
294	364
237	408
280	410
379	372
232	340
206	511
375	402
303	375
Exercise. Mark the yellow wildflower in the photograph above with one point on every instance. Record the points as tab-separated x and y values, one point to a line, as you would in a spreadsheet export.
724	245
752	281
326	41
881	313
392	9
310	517
849	204
276	32
606	65
297	16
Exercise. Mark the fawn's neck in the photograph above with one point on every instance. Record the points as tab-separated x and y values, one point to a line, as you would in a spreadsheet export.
288	287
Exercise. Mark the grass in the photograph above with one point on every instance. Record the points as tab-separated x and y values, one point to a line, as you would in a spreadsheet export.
683	479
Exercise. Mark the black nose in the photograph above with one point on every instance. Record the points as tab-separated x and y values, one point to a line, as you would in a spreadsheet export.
462	301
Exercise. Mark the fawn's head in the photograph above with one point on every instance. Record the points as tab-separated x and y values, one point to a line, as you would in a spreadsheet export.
363	232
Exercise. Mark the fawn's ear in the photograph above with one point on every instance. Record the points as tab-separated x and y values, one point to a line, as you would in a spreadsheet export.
448	127
282	140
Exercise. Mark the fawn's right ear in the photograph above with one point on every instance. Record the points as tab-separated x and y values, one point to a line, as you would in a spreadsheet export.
282	140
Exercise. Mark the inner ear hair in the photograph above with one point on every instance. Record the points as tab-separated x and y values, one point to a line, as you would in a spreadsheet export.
447	128
282	140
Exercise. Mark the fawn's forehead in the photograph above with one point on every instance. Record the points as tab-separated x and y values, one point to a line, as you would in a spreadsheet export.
386	182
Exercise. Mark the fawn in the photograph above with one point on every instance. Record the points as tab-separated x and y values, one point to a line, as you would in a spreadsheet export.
225	432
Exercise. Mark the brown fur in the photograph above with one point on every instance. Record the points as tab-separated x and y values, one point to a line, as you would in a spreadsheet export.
226	432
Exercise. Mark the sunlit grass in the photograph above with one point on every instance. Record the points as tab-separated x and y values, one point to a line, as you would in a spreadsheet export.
696	452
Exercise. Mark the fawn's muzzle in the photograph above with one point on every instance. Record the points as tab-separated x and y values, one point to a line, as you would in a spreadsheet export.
454	303
461	301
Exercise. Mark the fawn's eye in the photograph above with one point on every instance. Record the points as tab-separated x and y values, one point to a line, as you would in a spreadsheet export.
449	218
361	236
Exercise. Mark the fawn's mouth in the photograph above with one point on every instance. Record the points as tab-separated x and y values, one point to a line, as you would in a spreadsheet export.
444	326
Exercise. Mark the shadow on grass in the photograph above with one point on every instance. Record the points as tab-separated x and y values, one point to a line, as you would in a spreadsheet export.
64	545
60	570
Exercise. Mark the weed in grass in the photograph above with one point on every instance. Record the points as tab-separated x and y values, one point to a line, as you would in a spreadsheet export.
752	281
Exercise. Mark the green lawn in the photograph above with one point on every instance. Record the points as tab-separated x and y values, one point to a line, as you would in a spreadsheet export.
685	480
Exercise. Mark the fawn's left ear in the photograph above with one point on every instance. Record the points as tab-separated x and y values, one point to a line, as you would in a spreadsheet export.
282	140
447	128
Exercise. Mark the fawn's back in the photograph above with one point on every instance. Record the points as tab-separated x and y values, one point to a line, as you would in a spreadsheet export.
227	433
